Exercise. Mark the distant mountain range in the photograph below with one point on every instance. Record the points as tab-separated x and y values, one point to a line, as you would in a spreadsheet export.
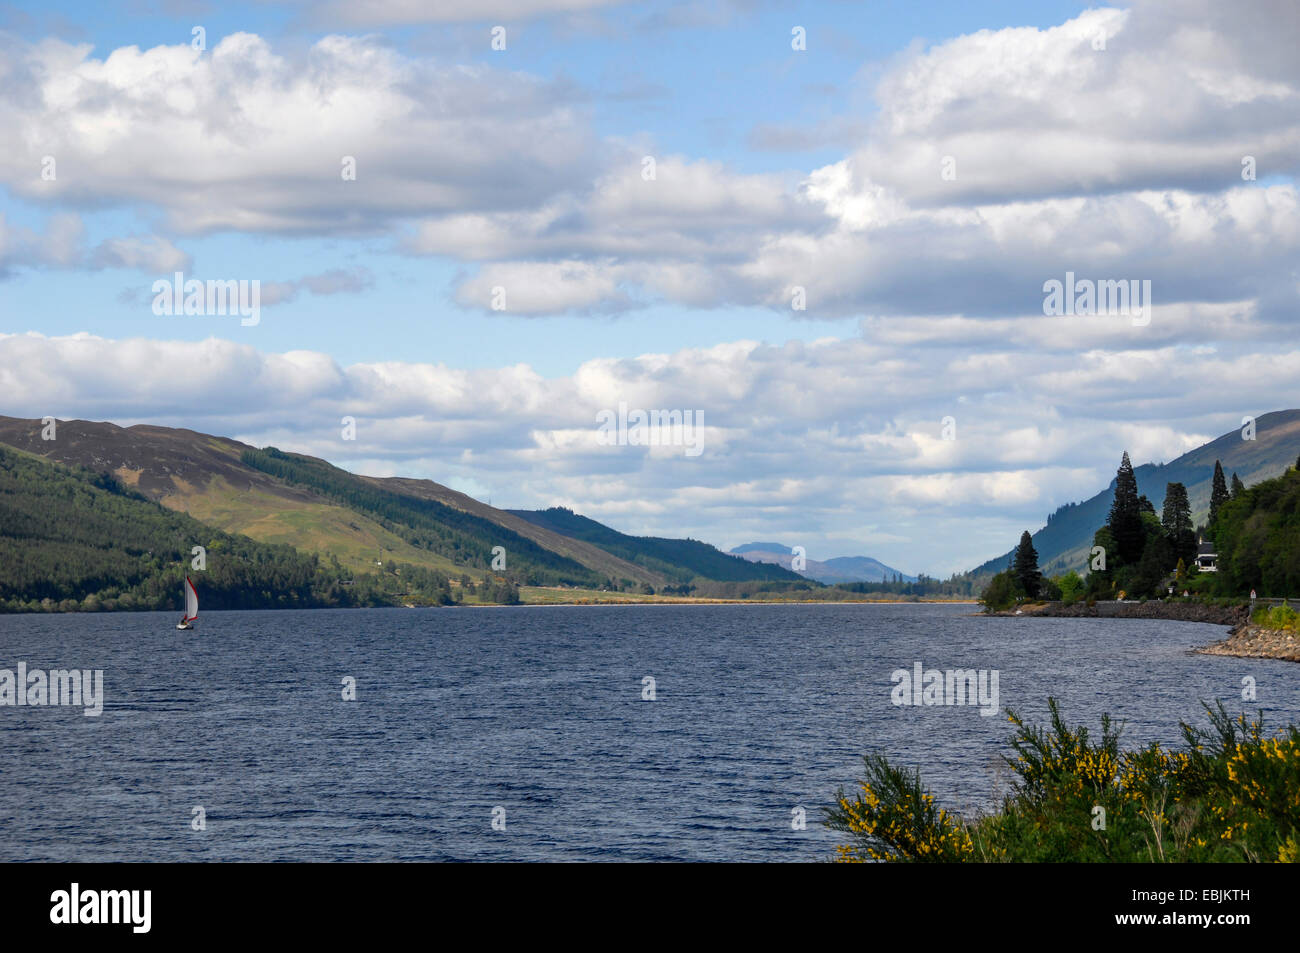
830	571
1065	542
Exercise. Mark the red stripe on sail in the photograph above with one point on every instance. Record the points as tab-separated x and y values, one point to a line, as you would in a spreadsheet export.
188	617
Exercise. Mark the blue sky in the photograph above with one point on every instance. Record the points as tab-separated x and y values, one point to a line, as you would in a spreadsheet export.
1107	141
698	89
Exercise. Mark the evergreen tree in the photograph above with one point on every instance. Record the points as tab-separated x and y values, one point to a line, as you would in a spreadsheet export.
1145	579
1237	486
1176	521
1218	493
1025	566
1125	520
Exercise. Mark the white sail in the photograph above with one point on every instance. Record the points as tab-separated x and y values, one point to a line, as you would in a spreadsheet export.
191	601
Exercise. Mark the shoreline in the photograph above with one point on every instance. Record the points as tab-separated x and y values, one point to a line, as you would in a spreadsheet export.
1248	640
732	602
588	603
1245	638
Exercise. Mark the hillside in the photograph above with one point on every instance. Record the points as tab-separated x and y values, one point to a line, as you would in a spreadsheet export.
202	476
279	498
581	551
71	538
829	571
680	560
206	477
464	538
1066	540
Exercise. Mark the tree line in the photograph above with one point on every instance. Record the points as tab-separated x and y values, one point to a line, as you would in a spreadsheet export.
1137	554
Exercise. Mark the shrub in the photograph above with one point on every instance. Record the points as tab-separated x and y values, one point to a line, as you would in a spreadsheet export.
1232	794
1002	592
894	818
1278	617
1071	586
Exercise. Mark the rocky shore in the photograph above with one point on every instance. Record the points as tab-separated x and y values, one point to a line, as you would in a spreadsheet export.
1248	640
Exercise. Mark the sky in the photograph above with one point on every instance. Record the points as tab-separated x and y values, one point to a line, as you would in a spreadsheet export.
822	231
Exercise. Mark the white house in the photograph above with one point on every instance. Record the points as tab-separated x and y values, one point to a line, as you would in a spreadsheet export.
1206	558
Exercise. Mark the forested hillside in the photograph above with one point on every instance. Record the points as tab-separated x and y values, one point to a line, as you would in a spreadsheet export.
72	539
1258	538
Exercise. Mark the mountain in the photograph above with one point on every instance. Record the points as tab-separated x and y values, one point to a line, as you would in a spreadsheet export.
208	478
1066	540
759	548
273	497
830	571
681	560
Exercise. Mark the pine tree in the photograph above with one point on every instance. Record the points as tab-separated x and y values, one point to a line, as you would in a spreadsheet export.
1125	520
1025	566
1218	493
1237	486
1176	522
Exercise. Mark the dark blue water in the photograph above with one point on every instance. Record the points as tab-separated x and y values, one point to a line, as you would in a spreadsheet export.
759	710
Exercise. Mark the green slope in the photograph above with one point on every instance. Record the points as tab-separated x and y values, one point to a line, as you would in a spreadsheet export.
71	538
203	476
680	560
462	537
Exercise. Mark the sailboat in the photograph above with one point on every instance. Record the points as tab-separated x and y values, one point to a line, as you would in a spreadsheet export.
191	606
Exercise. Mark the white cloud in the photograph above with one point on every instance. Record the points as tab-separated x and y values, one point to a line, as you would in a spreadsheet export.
148	253
331	282
240	137
1181	91
544	288
62	245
